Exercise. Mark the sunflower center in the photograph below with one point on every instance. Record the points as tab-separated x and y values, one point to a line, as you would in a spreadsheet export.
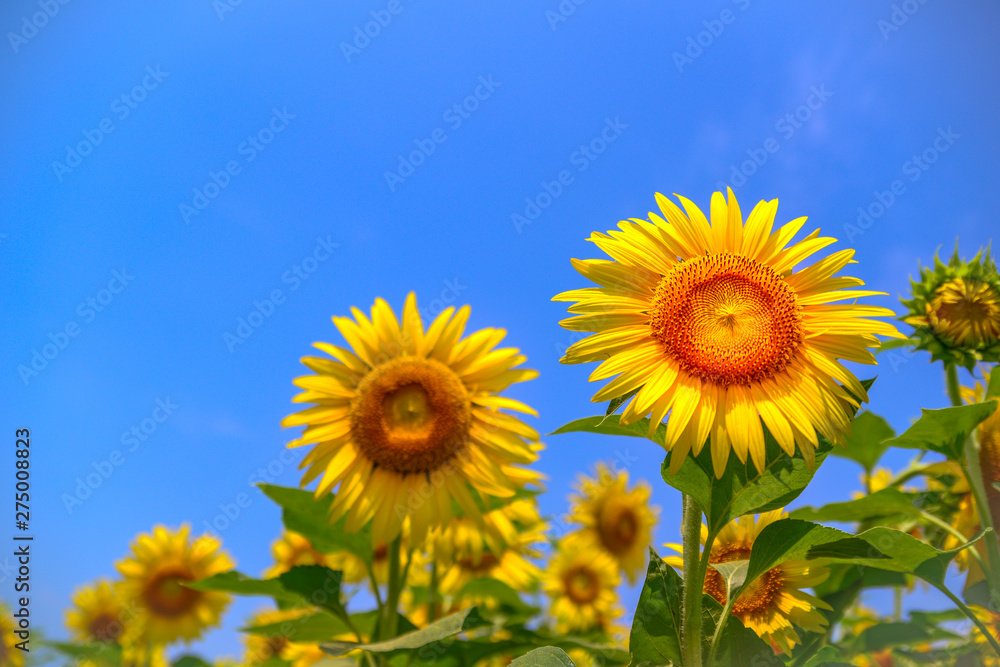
581	584
484	565
966	311
726	319
166	596
411	415
105	627
618	526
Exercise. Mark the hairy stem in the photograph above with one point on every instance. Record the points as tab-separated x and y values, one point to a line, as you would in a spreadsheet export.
691	603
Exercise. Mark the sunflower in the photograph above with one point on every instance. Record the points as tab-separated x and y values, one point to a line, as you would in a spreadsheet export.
10	655
582	586
154	577
955	310
292	549
466	552
774	602
710	324
99	614
992	622
409	421
262	647
615	519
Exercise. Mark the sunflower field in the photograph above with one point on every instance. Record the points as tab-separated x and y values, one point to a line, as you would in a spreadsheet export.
416	538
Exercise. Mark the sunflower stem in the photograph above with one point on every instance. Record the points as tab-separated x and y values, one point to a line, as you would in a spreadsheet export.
693	586
432	592
974	474
390	618
951	380
726	611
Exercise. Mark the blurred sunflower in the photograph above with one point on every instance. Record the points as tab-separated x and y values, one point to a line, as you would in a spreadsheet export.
989	442
955	310
276	644
615	519
711	325
992	622
303	655
99	614
774	602
292	549
582	586
409	420
154	575
10	655
500	548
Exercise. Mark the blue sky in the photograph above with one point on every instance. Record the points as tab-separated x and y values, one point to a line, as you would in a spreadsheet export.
164	169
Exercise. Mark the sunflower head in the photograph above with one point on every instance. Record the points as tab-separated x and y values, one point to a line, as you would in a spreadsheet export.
615	519
774	602
409	420
292	549
262	647
582	588
154	576
709	323
955	310
100	614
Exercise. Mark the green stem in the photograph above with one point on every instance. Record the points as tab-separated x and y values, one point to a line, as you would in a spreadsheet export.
974	473
432	592
693	586
970	614
951	380
730	600
962	539
390	615
897	606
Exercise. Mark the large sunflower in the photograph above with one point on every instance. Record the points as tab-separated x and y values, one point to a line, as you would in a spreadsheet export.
154	578
615	519
409	420
582	586
774	603
710	323
955	310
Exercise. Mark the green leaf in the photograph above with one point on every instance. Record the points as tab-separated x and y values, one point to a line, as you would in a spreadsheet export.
944	431
993	388
494	589
240	584
865	444
318	584
655	635
828	656
890	502
610	426
303	514
616	403
190	661
739	646
317	627
106	652
434	632
885	635
734	572
547	656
